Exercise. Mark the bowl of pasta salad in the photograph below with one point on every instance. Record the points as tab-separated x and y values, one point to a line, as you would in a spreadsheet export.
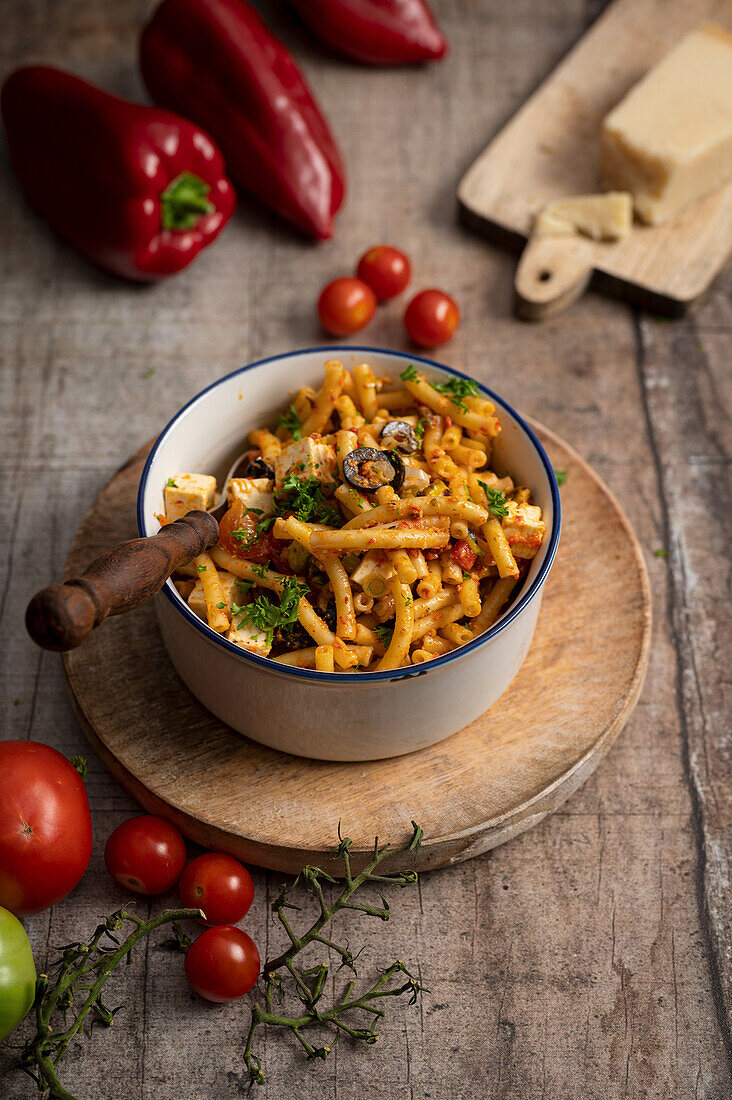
383	544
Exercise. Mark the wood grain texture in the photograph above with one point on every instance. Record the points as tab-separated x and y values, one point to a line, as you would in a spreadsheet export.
590	957
61	616
501	775
551	149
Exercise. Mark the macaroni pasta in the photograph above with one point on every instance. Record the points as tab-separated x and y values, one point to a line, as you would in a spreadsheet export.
367	531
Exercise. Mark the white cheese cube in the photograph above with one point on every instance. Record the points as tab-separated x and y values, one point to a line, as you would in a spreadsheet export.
253	492
670	140
188	493
197	600
307	458
249	637
524	529
605	217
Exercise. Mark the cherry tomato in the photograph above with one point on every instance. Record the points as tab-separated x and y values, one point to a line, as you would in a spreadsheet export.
386	270
262	548
145	854
463	556
219	885
45	827
431	318
345	306
17	973
236	518
222	964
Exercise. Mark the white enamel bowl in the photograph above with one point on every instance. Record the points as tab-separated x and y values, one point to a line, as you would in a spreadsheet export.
328	716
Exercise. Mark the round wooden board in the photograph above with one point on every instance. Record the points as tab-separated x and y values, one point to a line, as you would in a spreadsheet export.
476	789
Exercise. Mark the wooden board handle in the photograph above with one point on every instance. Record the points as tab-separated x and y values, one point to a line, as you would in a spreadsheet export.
552	273
62	616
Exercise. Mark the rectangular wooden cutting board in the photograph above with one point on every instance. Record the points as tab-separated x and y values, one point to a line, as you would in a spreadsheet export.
550	149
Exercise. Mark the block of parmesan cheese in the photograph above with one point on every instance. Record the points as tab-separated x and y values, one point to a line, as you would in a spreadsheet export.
670	140
605	217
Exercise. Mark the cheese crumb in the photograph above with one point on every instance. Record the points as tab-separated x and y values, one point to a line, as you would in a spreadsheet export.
605	217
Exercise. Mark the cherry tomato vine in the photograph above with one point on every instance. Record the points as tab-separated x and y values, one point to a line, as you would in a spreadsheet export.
74	984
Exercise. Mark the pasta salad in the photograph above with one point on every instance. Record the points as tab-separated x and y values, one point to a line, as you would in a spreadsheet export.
367	531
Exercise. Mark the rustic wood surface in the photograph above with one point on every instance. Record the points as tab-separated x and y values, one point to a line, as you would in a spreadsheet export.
551	150
507	770
591	957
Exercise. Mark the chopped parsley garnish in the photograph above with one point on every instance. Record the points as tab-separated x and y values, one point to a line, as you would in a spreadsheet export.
292	423
561	476
306	500
466	575
237	609
246	586
457	389
170	484
409	374
495	499
201	568
245	537
385	633
248	538
261	570
267	616
419	430
661	553
221	606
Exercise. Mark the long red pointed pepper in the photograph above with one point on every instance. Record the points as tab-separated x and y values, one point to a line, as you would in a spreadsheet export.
216	62
375	32
136	190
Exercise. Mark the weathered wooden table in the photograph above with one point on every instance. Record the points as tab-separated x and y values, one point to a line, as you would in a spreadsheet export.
592	956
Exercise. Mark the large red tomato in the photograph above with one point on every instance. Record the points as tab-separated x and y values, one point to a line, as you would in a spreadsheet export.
45	827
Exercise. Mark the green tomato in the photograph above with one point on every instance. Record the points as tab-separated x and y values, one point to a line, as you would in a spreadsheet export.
17	973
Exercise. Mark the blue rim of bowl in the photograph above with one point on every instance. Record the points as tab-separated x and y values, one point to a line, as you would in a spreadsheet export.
400	673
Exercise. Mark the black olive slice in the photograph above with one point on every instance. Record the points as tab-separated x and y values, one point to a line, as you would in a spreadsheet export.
294	636
401	435
367	469
396	460
257	467
330	617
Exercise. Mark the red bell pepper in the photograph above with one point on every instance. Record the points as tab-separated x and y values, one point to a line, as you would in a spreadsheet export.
136	190
375	32
216	62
